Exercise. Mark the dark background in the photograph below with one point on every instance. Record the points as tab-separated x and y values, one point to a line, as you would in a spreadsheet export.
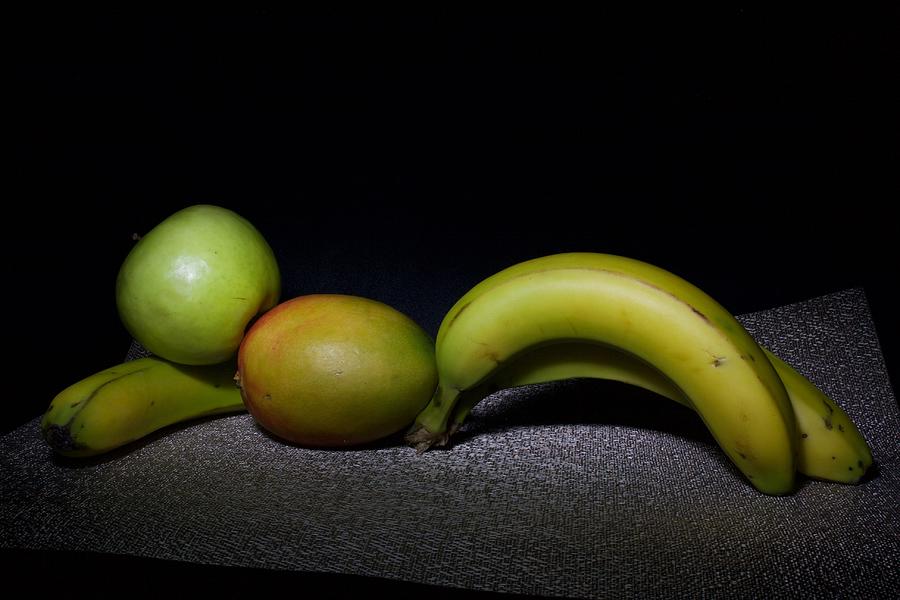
406	158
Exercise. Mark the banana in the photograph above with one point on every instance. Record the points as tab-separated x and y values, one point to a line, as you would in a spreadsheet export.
642	310
567	360
124	403
831	448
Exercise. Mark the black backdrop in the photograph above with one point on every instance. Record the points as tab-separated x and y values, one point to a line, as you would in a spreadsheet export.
405	158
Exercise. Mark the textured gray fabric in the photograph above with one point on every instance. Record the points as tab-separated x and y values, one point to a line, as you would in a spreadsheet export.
578	489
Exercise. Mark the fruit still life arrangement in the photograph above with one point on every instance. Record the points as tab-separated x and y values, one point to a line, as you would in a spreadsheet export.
201	292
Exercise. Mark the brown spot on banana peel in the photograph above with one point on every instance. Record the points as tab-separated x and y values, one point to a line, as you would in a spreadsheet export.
491	354
743	451
494	356
827	418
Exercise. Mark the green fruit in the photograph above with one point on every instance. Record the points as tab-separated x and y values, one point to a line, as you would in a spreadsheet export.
188	289
335	370
639	309
831	447
129	401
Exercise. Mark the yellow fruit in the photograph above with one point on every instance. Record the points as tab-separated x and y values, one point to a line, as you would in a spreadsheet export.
335	370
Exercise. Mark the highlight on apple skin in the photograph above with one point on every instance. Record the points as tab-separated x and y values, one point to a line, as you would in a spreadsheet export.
189	288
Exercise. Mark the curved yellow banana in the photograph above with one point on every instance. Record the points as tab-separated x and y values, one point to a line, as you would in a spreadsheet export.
569	360
831	448
643	310
126	402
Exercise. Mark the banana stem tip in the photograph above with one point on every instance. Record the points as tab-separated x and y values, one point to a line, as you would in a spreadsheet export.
422	440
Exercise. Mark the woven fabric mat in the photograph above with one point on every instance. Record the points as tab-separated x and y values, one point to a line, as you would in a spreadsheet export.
579	489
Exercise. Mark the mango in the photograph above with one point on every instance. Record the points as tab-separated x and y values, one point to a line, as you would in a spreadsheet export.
335	370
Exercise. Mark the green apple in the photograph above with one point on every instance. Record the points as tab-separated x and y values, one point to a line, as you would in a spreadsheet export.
189	288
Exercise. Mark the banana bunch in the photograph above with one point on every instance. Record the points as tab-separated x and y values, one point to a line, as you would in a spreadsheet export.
610	317
129	401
